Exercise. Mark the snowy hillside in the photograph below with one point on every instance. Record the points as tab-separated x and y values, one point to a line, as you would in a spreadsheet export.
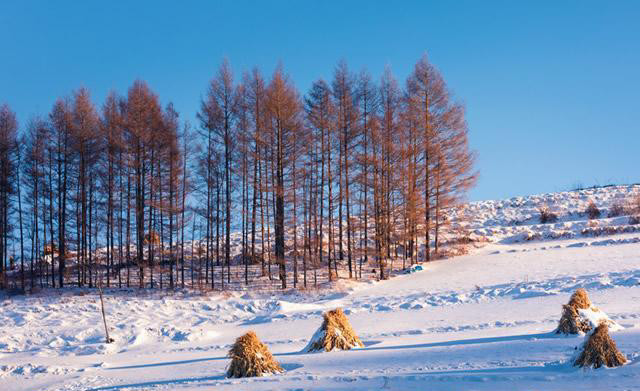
518	219
482	321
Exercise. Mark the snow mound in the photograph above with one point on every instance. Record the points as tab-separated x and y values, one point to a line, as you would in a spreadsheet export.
595	317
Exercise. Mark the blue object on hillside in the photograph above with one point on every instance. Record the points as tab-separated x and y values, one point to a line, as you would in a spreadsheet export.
415	268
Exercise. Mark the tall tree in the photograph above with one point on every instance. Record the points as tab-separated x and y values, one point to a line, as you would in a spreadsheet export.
61	123
85	148
368	101
217	116
112	139
445	153
34	140
283	106
346	117
390	110
143	117
319	111
255	88
8	170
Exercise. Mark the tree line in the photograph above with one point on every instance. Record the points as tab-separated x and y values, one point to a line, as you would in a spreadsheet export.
353	174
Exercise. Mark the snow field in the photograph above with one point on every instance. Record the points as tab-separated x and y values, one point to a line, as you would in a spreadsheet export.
482	321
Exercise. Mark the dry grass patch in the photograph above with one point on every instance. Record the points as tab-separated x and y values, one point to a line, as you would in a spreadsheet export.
600	350
335	333
250	358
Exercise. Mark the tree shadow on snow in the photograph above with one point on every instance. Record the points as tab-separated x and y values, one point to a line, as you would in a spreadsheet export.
558	367
168	363
288	367
158	383
262	319
471	341
368	346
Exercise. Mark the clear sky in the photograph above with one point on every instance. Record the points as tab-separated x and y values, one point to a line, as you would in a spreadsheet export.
552	88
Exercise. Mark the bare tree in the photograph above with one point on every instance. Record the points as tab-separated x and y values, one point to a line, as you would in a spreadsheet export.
374	168
345	97
8	170
283	105
217	116
143	118
319	110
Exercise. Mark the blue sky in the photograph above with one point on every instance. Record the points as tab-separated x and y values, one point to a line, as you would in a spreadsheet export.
552	89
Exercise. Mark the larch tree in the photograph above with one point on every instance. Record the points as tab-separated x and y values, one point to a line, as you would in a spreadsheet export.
34	140
217	116
446	159
85	148
8	170
111	132
61	123
255	101
384	185
357	173
319	111
369	104
345	122
143	117
283	108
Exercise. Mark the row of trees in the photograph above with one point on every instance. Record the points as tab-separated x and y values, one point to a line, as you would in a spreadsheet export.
353	174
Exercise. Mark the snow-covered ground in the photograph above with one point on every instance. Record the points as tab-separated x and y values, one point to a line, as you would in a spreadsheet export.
517	219
482	321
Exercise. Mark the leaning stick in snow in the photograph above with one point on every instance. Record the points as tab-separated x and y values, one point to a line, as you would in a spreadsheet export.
104	317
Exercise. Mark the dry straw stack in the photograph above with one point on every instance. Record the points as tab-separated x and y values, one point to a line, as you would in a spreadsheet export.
335	333
580	316
571	322
600	350
250	357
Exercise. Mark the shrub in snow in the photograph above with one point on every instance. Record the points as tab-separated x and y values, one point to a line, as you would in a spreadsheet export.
250	357
50	248
239	259
592	211
152	237
600	350
532	236
335	333
617	209
634	220
547	216
580	316
634	206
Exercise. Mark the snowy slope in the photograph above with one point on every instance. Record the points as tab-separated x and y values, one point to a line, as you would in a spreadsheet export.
477	322
517	219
